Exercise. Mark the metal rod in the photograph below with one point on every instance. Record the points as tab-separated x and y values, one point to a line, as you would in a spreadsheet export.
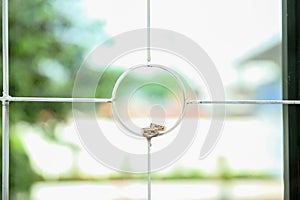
5	51
107	100
5	150
61	100
283	102
149	168
5	104
148	32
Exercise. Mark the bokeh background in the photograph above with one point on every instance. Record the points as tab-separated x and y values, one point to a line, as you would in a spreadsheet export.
49	39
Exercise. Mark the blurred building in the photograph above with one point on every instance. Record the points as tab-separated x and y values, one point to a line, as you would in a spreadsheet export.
259	75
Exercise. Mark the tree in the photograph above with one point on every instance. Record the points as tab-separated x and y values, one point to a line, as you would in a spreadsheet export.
47	45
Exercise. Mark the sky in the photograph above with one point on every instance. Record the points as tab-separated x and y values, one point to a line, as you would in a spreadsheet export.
226	30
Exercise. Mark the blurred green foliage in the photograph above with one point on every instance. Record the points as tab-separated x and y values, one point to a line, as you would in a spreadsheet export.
110	76
190	174
43	56
46	47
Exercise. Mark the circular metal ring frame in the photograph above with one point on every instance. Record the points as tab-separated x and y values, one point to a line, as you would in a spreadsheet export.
170	72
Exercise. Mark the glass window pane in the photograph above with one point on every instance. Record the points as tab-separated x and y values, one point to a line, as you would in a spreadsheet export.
50	40
247	162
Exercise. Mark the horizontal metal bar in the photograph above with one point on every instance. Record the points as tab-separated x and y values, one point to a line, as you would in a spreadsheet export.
107	100
285	102
59	100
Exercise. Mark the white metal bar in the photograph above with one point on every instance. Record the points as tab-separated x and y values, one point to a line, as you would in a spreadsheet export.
108	100
5	104
149	168
148	32
60	100
5	150
283	102
5	51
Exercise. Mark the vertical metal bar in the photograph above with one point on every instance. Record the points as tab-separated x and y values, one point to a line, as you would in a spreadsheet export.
5	150
148	32
149	168
291	86
5	47
285	107
5	104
